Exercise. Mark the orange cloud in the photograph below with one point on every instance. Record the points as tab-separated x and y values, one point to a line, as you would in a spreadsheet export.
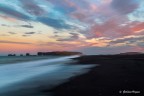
138	28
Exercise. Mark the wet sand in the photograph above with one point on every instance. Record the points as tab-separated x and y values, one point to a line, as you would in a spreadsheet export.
116	76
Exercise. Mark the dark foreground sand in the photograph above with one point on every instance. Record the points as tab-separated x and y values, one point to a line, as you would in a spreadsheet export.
116	76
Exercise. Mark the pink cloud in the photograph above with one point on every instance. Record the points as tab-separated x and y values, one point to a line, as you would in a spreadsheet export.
139	27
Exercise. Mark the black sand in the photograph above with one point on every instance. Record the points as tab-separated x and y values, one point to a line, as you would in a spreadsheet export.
117	75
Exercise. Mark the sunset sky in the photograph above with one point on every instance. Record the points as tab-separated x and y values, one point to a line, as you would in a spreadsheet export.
88	26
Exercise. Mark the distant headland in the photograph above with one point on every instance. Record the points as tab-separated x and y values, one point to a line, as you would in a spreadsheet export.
54	53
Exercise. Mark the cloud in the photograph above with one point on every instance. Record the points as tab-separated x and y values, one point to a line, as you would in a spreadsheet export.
4	35
26	35
27	26
86	21
12	33
32	7
124	6
65	6
7	17
30	32
13	13
141	44
138	27
13	42
112	28
5	25
128	40
73	37
55	23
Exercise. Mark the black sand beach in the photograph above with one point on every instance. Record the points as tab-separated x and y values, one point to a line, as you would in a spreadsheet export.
117	75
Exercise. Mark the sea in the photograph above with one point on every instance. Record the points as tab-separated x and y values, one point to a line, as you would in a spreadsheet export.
30	75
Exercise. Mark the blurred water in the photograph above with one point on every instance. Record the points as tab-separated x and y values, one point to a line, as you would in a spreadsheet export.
19	59
30	75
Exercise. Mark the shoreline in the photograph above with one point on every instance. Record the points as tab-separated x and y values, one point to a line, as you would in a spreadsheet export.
31	78
4	60
116	75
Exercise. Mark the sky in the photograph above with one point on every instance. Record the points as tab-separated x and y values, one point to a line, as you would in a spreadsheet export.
88	26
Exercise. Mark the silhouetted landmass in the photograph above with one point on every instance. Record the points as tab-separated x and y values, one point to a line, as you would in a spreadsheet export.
55	53
131	53
58	53
11	54
21	55
28	54
114	75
